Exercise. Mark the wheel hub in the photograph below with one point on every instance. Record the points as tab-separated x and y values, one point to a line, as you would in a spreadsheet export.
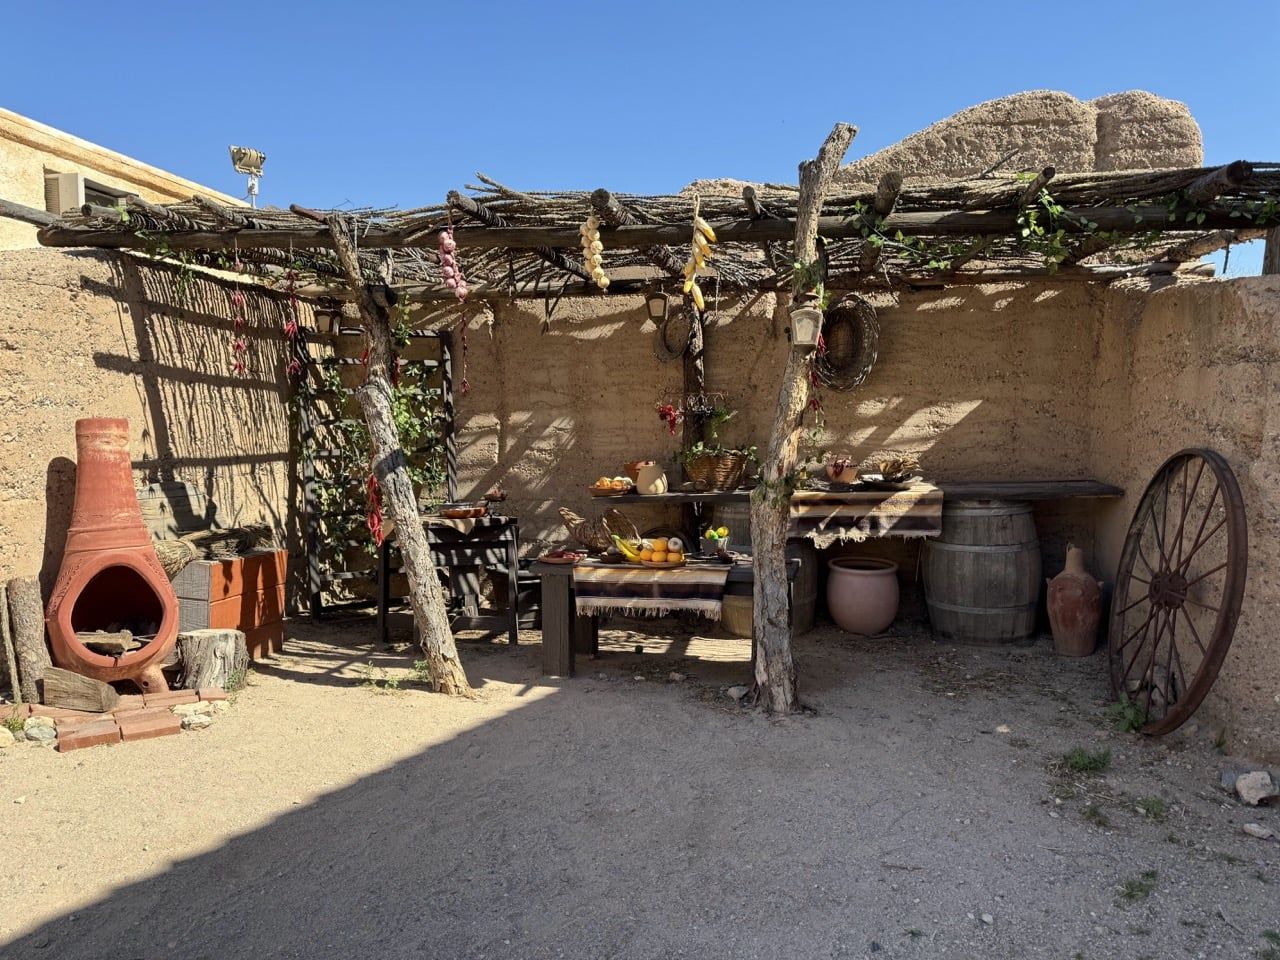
1168	589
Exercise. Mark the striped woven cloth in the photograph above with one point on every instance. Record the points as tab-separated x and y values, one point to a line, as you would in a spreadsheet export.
828	517
648	590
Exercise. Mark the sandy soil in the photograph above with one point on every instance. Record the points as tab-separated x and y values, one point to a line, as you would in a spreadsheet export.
625	814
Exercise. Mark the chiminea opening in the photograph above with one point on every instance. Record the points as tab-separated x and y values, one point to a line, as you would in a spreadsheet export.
118	598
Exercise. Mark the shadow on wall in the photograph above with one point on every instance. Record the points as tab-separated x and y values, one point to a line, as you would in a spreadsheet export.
229	434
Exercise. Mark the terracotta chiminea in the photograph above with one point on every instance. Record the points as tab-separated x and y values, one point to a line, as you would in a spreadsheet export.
110	578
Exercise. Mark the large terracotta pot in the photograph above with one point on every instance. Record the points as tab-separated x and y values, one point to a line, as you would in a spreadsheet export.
110	577
1075	606
862	594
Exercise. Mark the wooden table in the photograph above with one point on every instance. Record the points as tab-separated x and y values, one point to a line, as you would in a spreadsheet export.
951	490
565	633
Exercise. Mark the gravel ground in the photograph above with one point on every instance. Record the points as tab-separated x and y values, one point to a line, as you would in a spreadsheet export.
918	811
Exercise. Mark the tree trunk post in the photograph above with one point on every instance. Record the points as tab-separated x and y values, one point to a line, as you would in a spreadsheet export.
771	504
26	620
390	467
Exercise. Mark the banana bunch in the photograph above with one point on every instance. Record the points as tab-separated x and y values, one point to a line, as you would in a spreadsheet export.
627	549
592	249
703	238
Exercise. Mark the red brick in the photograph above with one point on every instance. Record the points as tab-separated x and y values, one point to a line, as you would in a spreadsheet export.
149	724
212	693
89	735
40	710
75	723
19	710
170	697
131	701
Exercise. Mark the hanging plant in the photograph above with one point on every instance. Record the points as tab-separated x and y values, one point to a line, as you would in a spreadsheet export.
239	343
291	329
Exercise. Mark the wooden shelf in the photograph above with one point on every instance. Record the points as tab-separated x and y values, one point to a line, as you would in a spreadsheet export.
951	489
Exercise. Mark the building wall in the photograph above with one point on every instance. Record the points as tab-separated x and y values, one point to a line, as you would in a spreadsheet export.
95	334
28	149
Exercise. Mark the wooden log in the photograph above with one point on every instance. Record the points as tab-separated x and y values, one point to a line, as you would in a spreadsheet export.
26	620
109	644
614	214
1031	193
211	658
1271	254
63	688
775	671
31	215
391	469
6	639
887	192
1213	184
1137	218
1197	247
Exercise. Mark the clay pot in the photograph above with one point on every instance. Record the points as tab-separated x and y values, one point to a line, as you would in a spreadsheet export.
632	468
110	574
846	472
650	479
1075	606
862	594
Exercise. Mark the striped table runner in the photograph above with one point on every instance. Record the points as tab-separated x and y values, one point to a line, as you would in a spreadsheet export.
649	590
828	517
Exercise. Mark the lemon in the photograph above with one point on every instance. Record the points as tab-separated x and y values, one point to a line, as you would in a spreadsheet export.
722	532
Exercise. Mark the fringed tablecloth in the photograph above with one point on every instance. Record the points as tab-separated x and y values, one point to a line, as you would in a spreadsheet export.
829	516
652	591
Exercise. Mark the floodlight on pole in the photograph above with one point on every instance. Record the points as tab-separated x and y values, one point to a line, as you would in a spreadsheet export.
248	161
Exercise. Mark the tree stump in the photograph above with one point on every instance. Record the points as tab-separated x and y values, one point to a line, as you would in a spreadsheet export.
211	658
26	620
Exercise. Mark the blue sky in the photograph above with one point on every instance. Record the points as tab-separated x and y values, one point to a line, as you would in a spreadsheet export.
380	103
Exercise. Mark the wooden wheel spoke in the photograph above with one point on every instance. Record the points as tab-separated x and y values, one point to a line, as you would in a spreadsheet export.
1155	528
1186	562
1129	639
1145	628
1195	634
1207	573
1188	499
1134	604
1176	661
1208	512
1146	563
1205	606
1149	673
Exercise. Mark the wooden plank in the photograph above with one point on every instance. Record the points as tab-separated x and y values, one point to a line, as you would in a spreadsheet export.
1028	489
558	620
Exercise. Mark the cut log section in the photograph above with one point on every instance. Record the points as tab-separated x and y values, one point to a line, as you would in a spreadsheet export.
62	688
212	658
26	620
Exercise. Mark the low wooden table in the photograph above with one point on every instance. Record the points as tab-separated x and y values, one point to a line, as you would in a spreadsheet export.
566	634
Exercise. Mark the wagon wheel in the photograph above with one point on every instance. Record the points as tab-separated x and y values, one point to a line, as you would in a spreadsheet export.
1178	589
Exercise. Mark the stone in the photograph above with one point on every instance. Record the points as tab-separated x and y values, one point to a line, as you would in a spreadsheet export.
40	732
738	692
675	676
6	738
1259	831
988	919
221	706
36	723
201	708
196	721
1256	786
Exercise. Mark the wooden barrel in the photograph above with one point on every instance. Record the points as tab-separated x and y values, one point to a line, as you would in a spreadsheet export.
982	577
804	589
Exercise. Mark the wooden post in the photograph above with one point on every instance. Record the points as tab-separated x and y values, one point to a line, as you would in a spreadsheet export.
6	639
775	680
390	467
1271	253
26	619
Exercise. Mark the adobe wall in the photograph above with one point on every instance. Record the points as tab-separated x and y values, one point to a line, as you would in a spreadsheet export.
94	334
1195	365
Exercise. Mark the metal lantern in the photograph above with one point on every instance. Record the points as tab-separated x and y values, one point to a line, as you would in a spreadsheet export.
806	326
658	304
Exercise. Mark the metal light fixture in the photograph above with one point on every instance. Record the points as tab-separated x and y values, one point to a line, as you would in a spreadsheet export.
659	305
806	327
249	161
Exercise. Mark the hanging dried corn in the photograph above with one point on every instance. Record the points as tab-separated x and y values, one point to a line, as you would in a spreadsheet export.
593	251
703	237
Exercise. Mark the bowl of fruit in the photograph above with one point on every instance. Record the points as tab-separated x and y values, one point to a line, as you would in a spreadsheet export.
612	487
652	551
715	542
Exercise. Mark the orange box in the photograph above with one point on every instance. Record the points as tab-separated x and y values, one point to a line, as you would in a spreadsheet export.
264	640
214	580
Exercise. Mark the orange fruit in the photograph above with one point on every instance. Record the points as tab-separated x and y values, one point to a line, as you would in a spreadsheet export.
646	554
659	557
659	544
675	558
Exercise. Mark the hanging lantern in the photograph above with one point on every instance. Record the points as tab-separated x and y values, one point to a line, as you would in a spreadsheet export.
806	326
658	304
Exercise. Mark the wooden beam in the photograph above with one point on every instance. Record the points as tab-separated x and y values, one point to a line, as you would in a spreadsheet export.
18	211
1197	247
1139	218
1271	253
614	214
887	192
1213	184
1032	190
486	216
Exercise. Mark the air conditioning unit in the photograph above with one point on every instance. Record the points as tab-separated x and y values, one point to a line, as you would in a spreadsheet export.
63	192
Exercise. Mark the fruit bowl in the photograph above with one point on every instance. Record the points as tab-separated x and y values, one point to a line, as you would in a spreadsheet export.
609	491
666	563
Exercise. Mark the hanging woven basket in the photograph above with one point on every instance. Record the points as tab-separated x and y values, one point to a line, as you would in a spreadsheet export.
851	334
717	471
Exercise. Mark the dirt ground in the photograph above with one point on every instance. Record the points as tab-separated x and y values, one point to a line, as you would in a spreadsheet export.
919	811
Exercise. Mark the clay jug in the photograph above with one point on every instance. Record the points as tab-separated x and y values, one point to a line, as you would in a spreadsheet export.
1075	605
651	479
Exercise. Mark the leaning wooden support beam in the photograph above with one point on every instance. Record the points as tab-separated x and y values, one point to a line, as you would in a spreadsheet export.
887	192
1031	193
18	211
491	219
614	214
1215	183
775	671
1197	247
758	211
1271	253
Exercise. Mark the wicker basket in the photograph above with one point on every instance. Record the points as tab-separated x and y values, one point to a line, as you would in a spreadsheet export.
718	471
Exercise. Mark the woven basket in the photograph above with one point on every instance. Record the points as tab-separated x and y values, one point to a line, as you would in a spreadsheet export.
717	472
174	555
